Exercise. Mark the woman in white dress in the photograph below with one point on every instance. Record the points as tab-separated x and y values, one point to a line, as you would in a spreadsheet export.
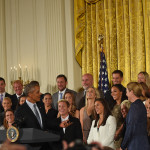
104	127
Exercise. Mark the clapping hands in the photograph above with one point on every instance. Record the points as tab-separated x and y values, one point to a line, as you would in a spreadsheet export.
65	124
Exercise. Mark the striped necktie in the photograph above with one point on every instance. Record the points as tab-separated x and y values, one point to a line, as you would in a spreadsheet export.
37	114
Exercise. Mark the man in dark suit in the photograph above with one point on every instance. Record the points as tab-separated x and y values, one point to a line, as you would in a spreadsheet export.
117	79
2	92
31	114
18	88
67	126
61	84
87	81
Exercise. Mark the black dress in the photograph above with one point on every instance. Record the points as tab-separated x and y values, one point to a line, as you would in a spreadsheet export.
51	114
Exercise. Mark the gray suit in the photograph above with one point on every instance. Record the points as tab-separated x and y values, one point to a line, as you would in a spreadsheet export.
80	100
55	98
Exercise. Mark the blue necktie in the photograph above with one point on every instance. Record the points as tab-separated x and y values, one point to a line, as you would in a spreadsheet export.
61	95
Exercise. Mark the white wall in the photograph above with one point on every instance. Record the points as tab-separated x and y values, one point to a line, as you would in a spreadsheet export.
39	34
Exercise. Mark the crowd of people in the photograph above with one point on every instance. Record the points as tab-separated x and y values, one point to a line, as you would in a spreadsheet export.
118	119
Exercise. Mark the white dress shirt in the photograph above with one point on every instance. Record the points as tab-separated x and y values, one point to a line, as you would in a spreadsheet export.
18	96
64	119
105	134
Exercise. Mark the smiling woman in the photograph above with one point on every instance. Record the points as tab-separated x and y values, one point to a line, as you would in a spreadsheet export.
116	92
104	126
9	118
87	113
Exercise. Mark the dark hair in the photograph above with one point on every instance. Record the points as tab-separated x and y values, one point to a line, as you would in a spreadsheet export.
118	72
62	76
18	105
107	111
29	88
2	79
47	94
119	87
35	82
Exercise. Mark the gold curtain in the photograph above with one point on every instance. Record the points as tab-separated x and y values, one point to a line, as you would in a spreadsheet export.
125	25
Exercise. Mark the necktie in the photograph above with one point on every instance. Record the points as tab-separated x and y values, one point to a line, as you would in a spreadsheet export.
61	95
1	97
37	114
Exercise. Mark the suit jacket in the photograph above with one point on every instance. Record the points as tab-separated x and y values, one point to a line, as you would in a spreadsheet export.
55	98
111	102
6	95
72	132
25	117
136	128
15	101
80	99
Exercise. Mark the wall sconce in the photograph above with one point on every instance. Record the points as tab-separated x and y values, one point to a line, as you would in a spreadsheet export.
17	73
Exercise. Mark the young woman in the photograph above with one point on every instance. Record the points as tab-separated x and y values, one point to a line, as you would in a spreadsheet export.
87	113
9	118
144	77
116	92
136	121
72	108
51	113
104	127
6	104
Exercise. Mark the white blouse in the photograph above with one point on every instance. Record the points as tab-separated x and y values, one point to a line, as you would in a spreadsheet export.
105	134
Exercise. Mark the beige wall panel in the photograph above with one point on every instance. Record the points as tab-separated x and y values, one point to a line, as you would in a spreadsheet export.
39	35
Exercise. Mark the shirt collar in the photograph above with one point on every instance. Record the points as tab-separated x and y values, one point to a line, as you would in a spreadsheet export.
30	104
3	94
64	119
63	91
18	95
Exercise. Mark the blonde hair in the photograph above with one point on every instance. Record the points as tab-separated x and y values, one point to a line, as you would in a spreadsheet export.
96	93
64	100
147	78
126	103
136	88
17	82
7	98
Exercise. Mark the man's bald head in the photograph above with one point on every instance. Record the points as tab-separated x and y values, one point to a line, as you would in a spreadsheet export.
87	81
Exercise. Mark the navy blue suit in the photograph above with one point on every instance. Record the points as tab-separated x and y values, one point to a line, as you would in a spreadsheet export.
27	117
136	128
